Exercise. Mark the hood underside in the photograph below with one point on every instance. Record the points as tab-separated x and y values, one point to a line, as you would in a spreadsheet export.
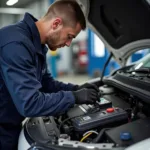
122	25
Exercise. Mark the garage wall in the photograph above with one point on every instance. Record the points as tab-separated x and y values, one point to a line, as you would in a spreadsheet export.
6	19
37	8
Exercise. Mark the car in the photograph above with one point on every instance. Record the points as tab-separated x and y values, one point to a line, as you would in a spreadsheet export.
120	119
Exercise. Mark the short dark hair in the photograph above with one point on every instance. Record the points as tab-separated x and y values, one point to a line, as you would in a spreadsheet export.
70	12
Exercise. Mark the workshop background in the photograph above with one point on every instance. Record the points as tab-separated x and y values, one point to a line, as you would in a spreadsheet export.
83	60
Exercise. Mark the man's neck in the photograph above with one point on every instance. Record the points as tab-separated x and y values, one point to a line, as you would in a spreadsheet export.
39	25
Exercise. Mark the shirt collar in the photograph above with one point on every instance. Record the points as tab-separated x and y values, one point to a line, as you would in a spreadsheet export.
30	21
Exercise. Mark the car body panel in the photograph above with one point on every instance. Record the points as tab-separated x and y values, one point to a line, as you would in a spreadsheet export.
123	26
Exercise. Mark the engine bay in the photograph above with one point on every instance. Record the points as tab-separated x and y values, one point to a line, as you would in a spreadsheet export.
116	120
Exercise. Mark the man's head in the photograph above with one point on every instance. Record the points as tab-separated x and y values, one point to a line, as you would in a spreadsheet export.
62	22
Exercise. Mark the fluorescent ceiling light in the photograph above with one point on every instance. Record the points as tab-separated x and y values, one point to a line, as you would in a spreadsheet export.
11	2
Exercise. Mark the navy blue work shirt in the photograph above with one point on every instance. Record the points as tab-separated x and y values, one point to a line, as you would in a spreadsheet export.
26	89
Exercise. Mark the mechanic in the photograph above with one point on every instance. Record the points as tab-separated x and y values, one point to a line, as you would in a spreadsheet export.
26	87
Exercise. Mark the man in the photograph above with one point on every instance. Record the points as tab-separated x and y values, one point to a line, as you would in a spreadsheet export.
26	89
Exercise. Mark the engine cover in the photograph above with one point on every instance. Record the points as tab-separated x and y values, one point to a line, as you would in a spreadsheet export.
137	130
41	130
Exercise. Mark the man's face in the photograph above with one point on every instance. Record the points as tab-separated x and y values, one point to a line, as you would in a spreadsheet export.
62	36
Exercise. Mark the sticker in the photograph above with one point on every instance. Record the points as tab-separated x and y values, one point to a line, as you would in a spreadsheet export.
103	101
86	118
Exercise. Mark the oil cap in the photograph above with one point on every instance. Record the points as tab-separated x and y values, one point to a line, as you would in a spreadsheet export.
125	136
110	110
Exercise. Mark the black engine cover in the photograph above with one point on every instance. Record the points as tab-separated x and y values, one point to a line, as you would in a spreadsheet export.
41	130
139	131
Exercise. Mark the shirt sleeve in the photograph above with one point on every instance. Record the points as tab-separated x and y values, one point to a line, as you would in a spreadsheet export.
19	74
49	84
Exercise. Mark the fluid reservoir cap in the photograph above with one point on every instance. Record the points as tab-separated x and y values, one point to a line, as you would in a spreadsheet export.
125	136
110	110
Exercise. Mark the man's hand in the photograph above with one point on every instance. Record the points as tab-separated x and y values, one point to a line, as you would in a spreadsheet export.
86	96
88	86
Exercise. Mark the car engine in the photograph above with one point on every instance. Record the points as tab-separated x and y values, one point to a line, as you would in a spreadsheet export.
117	118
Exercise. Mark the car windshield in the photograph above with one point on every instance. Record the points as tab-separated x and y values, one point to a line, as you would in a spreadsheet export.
143	63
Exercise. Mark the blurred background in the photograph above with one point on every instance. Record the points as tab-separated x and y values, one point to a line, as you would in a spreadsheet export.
82	61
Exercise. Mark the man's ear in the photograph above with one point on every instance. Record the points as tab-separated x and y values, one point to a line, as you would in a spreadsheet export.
56	23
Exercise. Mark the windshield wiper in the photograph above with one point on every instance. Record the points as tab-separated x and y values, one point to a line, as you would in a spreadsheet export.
140	70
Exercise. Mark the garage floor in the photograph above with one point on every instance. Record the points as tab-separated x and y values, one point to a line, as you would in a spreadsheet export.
75	79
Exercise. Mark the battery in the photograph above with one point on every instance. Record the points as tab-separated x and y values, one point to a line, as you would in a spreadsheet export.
80	110
105	118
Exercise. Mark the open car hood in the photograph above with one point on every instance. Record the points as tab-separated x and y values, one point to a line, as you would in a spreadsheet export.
122	25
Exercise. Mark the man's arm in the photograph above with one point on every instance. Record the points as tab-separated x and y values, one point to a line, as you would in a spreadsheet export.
19	74
49	84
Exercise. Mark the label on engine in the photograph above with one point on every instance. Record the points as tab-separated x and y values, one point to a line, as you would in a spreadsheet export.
86	118
104	101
